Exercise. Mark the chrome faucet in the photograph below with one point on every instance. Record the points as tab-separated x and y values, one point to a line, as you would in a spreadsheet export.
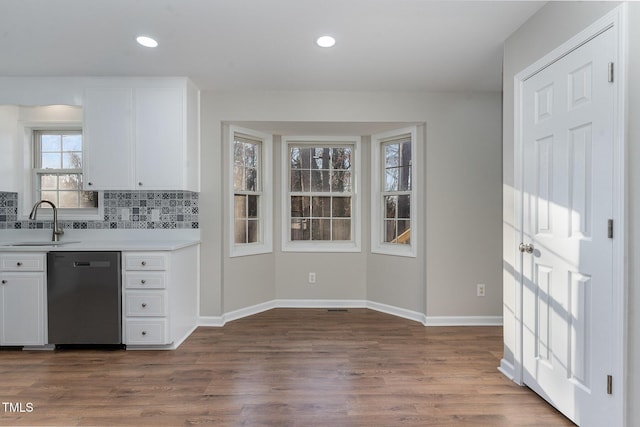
57	231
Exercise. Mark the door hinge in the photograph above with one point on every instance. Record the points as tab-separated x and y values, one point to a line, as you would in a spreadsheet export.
609	384
610	229
610	73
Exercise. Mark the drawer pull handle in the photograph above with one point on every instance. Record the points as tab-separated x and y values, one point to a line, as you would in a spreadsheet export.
144	305
19	264
143	281
144	333
144	263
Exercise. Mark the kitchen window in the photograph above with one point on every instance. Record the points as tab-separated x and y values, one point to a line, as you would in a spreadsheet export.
250	177
393	229
320	205
57	171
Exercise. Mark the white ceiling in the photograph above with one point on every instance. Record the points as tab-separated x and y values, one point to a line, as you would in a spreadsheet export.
382	45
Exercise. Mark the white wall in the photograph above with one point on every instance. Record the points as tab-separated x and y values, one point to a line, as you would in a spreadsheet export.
461	221
549	28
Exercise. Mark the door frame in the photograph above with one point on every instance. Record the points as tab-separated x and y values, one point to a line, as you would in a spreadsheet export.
614	21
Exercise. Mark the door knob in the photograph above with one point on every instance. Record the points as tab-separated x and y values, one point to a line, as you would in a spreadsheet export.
528	248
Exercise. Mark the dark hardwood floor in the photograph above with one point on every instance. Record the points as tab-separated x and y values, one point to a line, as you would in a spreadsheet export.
283	367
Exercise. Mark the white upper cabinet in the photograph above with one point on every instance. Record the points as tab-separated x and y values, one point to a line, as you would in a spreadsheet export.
108	139
142	137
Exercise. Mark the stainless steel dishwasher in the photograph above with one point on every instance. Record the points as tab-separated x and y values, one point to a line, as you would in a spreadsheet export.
84	298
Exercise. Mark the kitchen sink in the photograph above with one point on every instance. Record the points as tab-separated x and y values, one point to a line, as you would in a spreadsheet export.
39	243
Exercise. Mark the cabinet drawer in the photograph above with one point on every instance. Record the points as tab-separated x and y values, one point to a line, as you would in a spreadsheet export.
142	261
151	280
145	303
22	262
142	331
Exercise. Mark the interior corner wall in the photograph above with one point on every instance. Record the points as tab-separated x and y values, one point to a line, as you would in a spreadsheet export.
461	221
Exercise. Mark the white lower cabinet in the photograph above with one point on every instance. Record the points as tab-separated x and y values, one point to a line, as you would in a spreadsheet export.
22	299
159	297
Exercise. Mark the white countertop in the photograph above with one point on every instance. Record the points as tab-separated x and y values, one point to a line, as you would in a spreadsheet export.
104	245
94	240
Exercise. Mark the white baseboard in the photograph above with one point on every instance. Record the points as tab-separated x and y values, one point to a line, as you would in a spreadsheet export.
218	321
507	369
463	321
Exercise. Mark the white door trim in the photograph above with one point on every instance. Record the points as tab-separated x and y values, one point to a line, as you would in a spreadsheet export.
616	21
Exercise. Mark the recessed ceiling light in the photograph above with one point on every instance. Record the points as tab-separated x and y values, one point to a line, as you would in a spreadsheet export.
326	41
146	41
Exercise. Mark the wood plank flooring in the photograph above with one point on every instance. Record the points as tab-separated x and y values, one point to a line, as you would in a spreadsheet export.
283	367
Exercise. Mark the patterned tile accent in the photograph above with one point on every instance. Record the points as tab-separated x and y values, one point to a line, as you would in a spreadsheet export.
122	210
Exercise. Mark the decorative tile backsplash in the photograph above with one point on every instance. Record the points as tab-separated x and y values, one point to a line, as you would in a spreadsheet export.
122	210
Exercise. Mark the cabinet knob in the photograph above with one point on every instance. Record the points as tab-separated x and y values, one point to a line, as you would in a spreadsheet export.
144	305
4	282
143	281
19	264
140	184
144	263
89	183
144	333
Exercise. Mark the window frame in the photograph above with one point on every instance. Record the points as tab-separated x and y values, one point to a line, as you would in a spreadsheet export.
353	245
265	203
378	170
27	131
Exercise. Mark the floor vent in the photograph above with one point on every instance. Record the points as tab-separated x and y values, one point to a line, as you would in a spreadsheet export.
338	309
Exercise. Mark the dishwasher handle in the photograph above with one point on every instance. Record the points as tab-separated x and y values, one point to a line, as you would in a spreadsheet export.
92	264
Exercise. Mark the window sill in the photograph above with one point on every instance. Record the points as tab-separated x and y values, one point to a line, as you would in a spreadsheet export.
321	247
406	251
250	249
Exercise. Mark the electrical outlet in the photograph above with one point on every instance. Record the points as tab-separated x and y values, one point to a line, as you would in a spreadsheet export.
312	278
480	289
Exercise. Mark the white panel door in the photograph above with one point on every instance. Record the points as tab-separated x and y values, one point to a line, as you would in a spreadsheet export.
567	113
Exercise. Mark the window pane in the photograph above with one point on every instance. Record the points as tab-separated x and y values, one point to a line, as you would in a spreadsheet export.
51	160
251	180
391	155
321	229
51	196
251	155
68	199
50	143
48	182
71	142
341	158
404	178
404	206
320	181
252	206
391	206
405	156
321	158
341	181
321	207
389	230
300	229
72	160
300	180
69	182
240	231
240	206
341	207
238	178
341	229
252	231
301	157
88	199
238	153
300	206
404	232
391	180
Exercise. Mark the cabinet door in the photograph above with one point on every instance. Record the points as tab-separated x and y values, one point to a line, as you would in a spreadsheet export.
159	132
22	309
108	145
